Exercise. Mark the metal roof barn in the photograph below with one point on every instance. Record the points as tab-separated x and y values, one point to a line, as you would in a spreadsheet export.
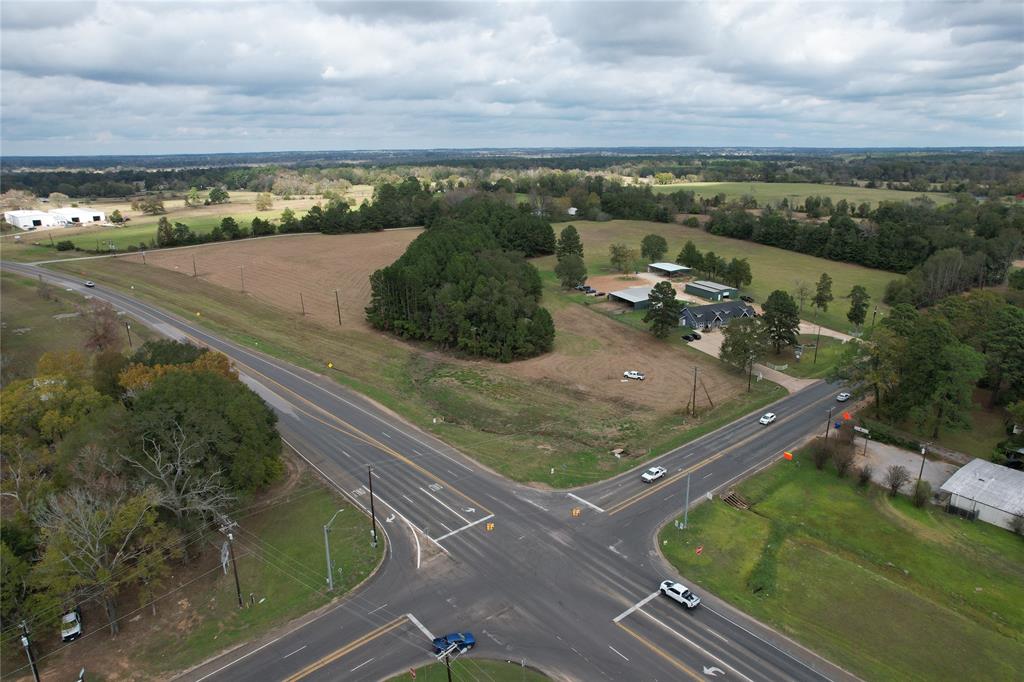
637	297
990	492
669	269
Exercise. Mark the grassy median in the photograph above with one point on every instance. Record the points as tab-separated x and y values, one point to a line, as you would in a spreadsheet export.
881	588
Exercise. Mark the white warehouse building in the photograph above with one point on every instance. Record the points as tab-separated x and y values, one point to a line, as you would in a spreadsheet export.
986	491
75	216
33	220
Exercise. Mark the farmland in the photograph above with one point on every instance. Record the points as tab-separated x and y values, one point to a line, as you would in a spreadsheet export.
565	410
854	574
796	192
772	268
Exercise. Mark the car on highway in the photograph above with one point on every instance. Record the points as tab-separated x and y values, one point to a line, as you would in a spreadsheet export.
653	474
768	418
843	397
71	625
680	593
464	641
89	283
633	374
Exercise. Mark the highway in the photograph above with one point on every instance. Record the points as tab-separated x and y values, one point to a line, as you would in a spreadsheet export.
573	595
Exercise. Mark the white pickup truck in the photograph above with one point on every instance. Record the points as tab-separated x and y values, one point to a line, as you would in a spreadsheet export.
633	374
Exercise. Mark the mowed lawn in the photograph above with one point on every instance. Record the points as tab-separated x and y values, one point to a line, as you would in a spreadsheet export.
797	192
468	668
772	268
33	325
881	588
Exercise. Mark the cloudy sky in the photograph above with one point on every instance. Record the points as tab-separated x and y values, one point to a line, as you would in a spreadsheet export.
165	77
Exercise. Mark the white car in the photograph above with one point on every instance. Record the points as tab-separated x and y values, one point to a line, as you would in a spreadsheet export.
653	474
843	397
89	283
71	625
768	418
633	374
679	593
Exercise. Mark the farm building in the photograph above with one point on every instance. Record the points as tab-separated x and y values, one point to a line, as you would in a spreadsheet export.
714	315
668	269
636	297
713	291
986	491
74	215
32	220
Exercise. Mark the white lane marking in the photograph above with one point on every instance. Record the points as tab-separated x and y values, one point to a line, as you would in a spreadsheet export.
361	665
407	499
294	652
589	504
386	434
468	525
414	529
225	667
374	474
464	519
418	624
708	474
696	646
450	459
452	473
445	527
346	454
712	632
616	651
530	502
376	609
765	641
635	606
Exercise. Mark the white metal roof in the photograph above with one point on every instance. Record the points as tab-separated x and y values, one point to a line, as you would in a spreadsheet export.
73	211
990	484
633	294
24	213
669	267
714	286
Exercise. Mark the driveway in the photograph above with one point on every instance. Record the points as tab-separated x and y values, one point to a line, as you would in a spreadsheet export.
881	456
710	342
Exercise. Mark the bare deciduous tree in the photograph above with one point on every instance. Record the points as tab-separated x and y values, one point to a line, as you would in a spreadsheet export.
103	327
842	458
802	292
896	477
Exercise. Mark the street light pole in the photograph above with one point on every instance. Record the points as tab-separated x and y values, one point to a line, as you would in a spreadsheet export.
373	515
27	643
817	342
828	424
686	509
128	326
327	550
924	448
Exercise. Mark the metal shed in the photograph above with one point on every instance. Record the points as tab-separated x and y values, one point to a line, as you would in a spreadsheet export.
712	291
637	297
987	491
668	269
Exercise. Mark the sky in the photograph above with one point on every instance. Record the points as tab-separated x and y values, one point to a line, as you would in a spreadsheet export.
204	77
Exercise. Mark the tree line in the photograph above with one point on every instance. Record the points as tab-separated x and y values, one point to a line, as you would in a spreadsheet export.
116	466
465	285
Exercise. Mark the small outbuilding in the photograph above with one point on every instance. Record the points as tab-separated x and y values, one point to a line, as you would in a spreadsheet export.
638	298
714	315
713	291
986	491
72	215
32	220
668	269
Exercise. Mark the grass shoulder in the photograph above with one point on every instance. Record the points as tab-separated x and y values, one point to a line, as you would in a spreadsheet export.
466	668
882	588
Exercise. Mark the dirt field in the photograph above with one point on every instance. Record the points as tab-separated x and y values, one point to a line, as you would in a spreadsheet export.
278	269
591	350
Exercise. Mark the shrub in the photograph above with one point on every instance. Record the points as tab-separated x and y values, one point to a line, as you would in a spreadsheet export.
66	245
842	458
864	475
691	222
895	477
922	493
819	454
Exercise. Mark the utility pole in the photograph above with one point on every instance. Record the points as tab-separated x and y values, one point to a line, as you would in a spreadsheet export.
373	515
828	424
873	314
143	257
327	549
241	269
226	529
195	272
817	343
302	304
337	300
128	327
447	665
693	403
686	509
27	643
750	374
924	448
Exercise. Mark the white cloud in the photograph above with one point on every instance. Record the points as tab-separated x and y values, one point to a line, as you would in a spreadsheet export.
117	77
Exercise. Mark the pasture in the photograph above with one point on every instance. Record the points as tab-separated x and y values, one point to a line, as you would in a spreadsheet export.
772	268
796	192
565	410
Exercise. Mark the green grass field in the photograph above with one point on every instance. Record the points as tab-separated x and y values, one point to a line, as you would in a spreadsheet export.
987	429
797	192
881	588
521	428
33	325
280	553
772	268
478	670
829	351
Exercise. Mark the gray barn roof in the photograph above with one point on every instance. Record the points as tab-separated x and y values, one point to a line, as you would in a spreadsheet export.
712	286
633	294
989	484
669	267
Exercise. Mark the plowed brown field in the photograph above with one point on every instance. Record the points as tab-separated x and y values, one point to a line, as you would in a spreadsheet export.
591	350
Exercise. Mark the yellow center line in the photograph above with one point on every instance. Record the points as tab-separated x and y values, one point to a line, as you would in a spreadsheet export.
679	664
675	477
347	649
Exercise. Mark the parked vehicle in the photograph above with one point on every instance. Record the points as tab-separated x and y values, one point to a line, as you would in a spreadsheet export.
843	397
768	418
71	625
463	640
696	336
653	474
748	299
680	593
633	374
689	337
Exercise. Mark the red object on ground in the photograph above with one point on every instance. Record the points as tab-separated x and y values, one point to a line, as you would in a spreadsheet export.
788	455
700	548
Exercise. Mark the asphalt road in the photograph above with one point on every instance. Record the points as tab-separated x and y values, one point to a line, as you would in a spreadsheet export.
573	595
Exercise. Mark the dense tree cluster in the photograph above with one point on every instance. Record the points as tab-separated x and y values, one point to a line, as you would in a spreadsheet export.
464	284
113	469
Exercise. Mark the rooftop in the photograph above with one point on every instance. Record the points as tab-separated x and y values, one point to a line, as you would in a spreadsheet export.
633	294
24	213
670	267
713	286
990	484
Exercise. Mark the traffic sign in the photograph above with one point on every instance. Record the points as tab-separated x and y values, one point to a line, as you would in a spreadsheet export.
861	429
576	511
489	526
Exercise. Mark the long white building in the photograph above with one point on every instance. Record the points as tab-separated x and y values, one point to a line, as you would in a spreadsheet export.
33	220
74	216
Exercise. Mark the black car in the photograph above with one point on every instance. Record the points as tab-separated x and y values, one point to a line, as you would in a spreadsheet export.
688	337
748	299
696	336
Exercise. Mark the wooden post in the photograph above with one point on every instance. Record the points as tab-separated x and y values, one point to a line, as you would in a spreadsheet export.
303	304
337	300
195	273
